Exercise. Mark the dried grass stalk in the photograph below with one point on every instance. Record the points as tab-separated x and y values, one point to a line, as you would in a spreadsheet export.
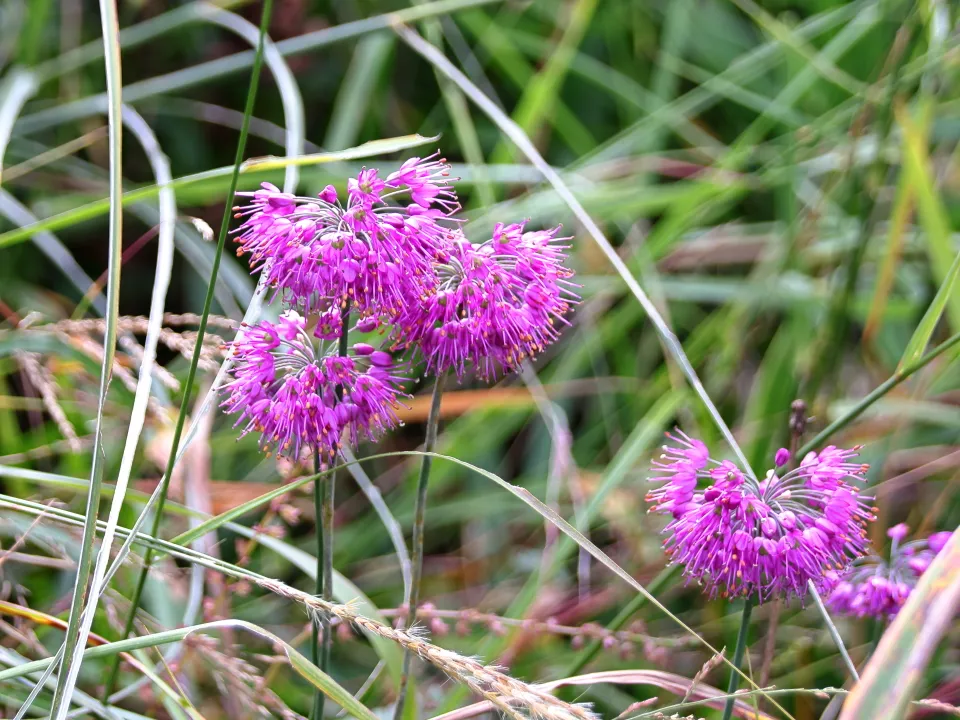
707	668
44	384
513	697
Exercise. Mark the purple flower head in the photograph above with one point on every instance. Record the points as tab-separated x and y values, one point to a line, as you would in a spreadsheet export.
297	393
368	251
494	303
740	537
877	587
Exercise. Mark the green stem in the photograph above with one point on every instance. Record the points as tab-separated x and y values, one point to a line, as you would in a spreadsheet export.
201	331
419	517
323	500
889	384
629	610
320	627
738	658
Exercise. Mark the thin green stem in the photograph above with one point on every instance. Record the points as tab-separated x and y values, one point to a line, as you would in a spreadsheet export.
201	331
738	657
419	517
323	500
881	390
834	633
628	611
320	627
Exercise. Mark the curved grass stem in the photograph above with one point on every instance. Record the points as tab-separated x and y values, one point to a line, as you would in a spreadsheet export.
419	517
738	657
198	346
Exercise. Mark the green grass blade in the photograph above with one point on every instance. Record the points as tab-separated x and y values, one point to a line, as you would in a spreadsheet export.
879	392
251	166
570	128
51	246
130	37
788	38
896	668
944	261
327	685
463	125
70	667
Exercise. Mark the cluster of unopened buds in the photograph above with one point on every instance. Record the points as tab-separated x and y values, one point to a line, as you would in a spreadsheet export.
389	260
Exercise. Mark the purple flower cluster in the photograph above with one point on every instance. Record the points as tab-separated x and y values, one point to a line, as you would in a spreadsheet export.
766	539
878	588
365	252
403	268
298	393
494	304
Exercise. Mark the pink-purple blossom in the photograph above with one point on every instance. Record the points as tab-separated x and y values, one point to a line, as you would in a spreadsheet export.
372	251
299	393
494	303
738	536
878	587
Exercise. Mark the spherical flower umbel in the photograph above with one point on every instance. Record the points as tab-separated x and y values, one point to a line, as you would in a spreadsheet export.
740	537
367	251
298	393
494	303
877	587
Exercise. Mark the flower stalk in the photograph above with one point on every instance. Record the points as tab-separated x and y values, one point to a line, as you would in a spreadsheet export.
419	518
738	657
323	500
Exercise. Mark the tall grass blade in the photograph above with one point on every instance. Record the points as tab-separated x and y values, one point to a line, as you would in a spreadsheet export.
541	93
252	166
69	666
357	91
944	261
